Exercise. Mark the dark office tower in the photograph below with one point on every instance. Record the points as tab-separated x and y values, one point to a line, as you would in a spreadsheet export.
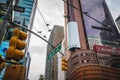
56	37
92	41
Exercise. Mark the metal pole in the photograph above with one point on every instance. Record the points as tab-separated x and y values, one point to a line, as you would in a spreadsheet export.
17	25
5	21
8	61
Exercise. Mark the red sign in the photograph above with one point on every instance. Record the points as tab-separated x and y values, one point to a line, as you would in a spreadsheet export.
106	49
118	50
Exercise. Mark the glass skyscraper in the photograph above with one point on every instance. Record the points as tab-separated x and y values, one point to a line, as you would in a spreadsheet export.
97	33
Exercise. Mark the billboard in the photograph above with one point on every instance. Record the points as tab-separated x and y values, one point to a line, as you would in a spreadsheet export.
3	47
106	50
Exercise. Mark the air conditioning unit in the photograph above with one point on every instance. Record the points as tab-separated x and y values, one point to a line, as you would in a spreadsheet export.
73	36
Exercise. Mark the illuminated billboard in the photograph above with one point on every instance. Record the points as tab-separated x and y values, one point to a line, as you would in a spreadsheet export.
4	46
106	50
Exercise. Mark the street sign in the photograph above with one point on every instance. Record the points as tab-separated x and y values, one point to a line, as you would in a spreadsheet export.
54	51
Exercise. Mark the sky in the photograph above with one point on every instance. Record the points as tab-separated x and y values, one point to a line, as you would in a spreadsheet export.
52	11
114	7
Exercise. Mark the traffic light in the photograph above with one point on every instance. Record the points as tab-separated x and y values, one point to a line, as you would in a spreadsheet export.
64	64
2	65
16	45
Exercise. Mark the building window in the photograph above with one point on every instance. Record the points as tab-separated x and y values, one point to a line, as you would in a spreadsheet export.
86	61
84	54
82	61
81	54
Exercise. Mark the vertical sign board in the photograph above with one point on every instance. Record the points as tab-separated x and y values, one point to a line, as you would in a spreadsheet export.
73	35
53	52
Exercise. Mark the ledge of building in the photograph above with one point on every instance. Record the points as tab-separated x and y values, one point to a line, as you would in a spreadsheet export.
94	72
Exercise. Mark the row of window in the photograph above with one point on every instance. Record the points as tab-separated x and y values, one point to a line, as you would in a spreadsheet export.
85	54
84	61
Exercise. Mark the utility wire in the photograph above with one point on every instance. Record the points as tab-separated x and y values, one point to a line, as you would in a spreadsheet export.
85	13
42	17
18	25
39	31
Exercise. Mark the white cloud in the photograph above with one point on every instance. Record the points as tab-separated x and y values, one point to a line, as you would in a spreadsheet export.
37	65
115	10
52	12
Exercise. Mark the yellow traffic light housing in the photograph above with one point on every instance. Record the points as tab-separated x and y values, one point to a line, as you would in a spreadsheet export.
64	64
2	65
20	34
15	42
16	45
13	53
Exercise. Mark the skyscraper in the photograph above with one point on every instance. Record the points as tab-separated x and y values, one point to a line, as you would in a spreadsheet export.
56	37
91	43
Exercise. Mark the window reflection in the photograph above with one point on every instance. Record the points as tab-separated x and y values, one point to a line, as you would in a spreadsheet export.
106	35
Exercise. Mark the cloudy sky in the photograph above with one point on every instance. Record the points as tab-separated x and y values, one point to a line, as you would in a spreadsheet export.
52	11
114	7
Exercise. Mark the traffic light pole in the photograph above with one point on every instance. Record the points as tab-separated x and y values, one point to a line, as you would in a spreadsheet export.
4	60
6	21
36	35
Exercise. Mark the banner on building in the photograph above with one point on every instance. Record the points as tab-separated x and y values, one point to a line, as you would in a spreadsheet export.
106	50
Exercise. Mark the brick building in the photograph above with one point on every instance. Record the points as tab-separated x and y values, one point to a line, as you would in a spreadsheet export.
56	37
91	41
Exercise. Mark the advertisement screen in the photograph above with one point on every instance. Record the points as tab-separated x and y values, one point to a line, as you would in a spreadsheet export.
4	46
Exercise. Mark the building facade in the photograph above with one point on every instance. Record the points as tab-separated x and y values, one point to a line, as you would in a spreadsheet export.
25	19
97	44
56	37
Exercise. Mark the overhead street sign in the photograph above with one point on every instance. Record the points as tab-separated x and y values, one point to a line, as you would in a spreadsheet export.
53	52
